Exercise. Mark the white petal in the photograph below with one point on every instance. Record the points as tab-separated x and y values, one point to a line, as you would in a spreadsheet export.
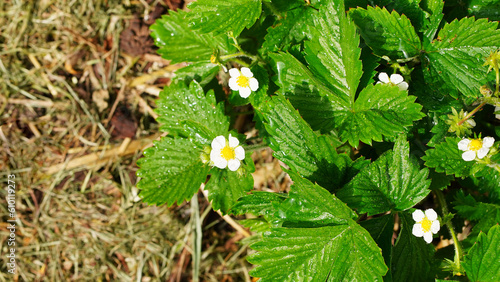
418	215
481	153
463	145
219	162
417	230
383	77
233	84
403	86
471	122
246	72
245	92
431	214
497	109
218	143
488	142
435	227
233	164
215	155
254	84
234	72
469	156
233	141
239	153
428	237
396	78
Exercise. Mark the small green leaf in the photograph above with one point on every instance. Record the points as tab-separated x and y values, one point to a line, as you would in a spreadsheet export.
457	55
291	29
485	9
178	43
171	171
221	16
482	263
412	257
202	72
225	187
187	111
446	157
393	182
387	34
435	10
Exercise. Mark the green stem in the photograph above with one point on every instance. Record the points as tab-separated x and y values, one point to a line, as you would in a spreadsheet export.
458	248
472	113
256	147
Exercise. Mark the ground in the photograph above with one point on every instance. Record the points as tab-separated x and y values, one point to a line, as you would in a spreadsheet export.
78	81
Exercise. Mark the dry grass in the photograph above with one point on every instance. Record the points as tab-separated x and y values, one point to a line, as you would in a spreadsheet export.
75	165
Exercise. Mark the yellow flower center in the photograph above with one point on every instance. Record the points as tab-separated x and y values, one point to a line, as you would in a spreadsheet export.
243	81
227	153
475	144
426	224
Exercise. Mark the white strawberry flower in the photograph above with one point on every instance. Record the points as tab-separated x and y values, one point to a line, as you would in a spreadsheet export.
227	153
475	147
243	81
395	79
427	224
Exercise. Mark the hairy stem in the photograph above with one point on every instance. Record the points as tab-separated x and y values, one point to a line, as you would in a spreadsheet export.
472	113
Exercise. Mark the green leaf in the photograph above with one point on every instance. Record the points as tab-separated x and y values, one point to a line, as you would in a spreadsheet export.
295	144
457	55
202	72
225	187
311	205
333	53
331	253
382	229
485	9
447	158
412	257
259	203
435	10
387	34
482	263
188	112
221	16
171	171
380	110
393	182
178	43
291	29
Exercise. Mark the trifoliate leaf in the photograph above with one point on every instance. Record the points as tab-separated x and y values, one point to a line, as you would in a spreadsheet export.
221	16
446	157
380	110
187	111
412	258
178	43
482	263
295	144
225	187
457	55
387	34
393	182
330	253
291	29
171	171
